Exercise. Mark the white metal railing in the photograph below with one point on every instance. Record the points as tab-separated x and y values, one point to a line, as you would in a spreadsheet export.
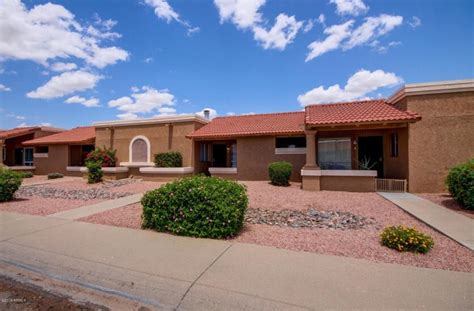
390	185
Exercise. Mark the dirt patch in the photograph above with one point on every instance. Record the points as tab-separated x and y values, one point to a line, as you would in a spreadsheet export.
18	296
446	200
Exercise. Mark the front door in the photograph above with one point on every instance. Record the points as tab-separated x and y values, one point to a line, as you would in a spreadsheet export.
18	156
219	155
371	153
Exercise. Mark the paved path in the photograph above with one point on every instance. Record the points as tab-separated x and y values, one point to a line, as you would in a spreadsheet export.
163	271
88	210
456	226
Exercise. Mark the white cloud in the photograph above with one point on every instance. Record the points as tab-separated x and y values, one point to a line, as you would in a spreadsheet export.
17	117
212	113
358	86
4	88
91	102
342	36
49	32
45	124
63	66
164	11
149	100
245	15
66	83
309	25
350	7
127	116
22	125
148	60
415	22
322	19
336	34
166	111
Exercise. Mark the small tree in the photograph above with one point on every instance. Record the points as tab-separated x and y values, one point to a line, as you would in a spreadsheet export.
94	172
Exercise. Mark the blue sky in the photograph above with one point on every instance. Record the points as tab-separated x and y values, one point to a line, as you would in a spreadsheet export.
70	63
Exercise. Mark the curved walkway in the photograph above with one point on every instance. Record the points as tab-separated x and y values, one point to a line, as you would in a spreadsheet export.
454	225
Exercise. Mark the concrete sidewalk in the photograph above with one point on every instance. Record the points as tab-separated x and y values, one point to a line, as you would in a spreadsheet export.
163	271
456	226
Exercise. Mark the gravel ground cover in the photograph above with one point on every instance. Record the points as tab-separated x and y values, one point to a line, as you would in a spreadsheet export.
271	211
34	179
446	200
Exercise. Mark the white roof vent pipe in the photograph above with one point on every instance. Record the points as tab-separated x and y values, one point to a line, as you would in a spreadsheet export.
207	114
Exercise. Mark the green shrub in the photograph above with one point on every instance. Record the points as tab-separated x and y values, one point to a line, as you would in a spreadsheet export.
199	206
26	174
55	175
10	181
406	239
169	159
106	157
460	182
280	173
94	172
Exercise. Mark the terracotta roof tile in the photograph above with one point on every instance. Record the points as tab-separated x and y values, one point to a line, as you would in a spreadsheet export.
252	125
367	111
17	132
74	136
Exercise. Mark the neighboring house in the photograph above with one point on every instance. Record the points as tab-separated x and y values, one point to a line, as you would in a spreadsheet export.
54	153
14	153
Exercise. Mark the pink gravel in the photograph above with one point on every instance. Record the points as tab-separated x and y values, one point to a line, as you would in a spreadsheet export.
34	179
81	184
42	206
446	200
446	254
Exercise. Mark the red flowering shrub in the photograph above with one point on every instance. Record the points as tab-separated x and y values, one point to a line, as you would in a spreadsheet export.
105	156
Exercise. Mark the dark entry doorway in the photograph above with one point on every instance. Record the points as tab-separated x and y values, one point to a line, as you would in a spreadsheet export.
371	153
219	155
19	156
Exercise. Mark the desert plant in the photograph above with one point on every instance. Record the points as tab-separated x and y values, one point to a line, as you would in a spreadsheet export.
460	183
403	239
280	173
55	175
169	159
94	172
106	157
365	164
26	174
198	206
10	182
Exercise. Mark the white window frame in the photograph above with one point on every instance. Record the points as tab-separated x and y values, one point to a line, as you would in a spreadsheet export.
148	145
4	154
29	163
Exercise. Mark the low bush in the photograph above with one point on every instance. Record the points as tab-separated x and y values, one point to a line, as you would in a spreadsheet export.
10	181
199	206
280	173
94	172
26	174
169	159
405	239
55	175
460	183
106	157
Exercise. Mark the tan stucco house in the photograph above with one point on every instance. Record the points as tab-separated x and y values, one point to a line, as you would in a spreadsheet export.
406	142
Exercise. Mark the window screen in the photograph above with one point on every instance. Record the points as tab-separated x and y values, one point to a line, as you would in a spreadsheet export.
334	153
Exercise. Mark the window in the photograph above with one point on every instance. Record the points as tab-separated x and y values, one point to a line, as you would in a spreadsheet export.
28	156
334	153
139	150
42	149
4	154
233	155
394	144
290	142
203	152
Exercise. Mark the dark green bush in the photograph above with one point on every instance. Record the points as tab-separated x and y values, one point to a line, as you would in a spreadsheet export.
406	239
10	181
460	182
55	175
26	174
169	159
199	206
106	157
94	172
280	173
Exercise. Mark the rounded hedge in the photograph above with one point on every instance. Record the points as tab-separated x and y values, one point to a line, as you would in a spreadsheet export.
169	159
55	175
279	173
405	239
10	182
460	182
198	206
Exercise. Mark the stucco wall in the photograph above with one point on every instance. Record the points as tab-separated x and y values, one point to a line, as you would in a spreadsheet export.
396	167
255	153
56	162
162	138
347	183
443	138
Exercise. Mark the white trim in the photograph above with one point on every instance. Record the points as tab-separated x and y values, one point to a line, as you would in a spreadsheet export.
136	164
81	169
40	155
157	120
111	170
452	86
223	170
348	173
294	150
21	168
32	155
148	146
167	170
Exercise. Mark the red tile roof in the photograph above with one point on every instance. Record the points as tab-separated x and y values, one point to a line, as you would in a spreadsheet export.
78	135
368	111
252	125
19	131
